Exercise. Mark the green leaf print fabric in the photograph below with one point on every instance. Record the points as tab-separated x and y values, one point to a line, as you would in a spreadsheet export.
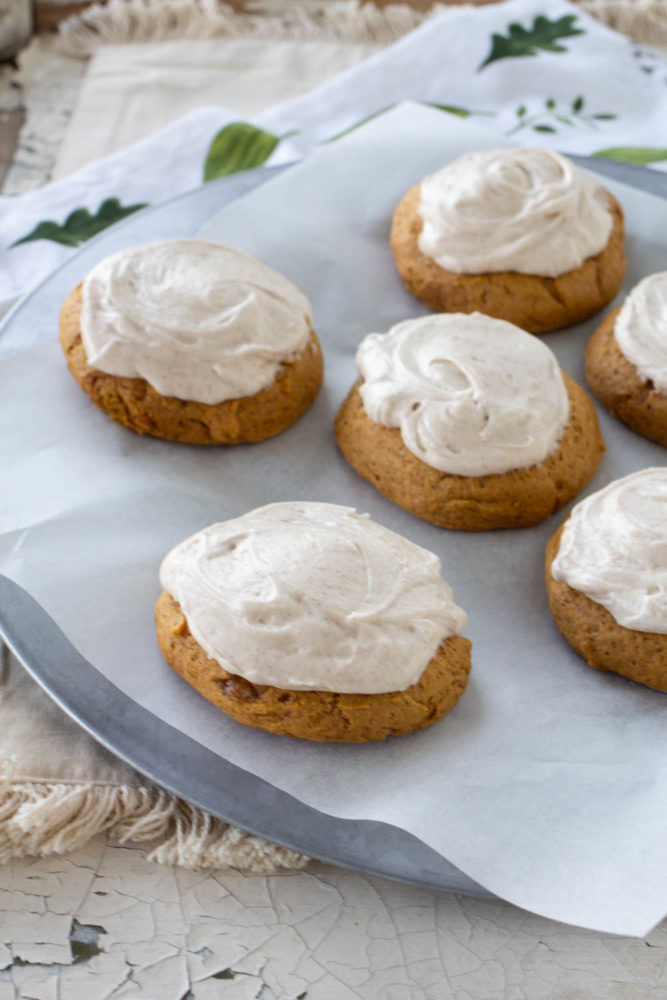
542	72
239	146
543	34
80	225
634	154
547	115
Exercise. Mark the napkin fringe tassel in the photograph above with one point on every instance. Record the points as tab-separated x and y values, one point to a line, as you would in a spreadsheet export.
42	818
122	21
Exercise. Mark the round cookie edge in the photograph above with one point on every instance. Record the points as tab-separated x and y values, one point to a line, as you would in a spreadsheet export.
470	503
137	406
534	303
593	632
319	716
620	388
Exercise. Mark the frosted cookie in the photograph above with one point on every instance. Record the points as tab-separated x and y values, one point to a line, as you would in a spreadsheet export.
606	575
519	234
626	359
310	620
192	341
468	422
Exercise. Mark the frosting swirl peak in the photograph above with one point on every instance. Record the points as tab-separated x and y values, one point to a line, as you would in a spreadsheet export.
524	210
313	596
197	320
472	395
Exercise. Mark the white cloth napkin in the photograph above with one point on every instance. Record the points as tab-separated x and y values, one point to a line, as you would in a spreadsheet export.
59	788
542	70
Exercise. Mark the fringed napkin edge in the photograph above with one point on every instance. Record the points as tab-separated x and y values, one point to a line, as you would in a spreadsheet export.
123	21
39	818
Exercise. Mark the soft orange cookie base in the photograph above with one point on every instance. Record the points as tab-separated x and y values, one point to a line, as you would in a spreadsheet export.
619	386
596	635
532	302
322	716
136	405
515	499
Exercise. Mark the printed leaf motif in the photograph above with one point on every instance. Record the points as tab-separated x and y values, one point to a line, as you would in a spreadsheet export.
80	225
553	113
239	146
362	121
633	154
452	109
521	41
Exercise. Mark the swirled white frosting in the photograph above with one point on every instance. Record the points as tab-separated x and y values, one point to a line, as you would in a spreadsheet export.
472	395
640	329
525	210
613	548
312	596
197	320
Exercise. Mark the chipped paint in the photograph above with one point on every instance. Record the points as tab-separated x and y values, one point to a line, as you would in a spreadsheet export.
105	924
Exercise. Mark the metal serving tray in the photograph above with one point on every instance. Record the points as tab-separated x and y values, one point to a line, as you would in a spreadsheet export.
150	745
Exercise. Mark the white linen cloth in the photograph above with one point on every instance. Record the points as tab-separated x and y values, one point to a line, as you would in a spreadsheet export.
556	77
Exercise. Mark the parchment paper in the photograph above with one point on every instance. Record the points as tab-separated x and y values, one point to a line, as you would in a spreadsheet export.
547	783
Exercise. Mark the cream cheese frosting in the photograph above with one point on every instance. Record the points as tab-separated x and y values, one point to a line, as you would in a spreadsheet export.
312	596
613	549
197	320
640	329
524	210
472	395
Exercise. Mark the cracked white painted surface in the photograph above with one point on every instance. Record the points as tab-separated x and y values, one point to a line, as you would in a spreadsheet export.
321	934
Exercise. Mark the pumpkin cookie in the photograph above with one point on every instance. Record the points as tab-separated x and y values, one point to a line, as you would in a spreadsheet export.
281	618
626	360
467	422
519	234
194	342
606	576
